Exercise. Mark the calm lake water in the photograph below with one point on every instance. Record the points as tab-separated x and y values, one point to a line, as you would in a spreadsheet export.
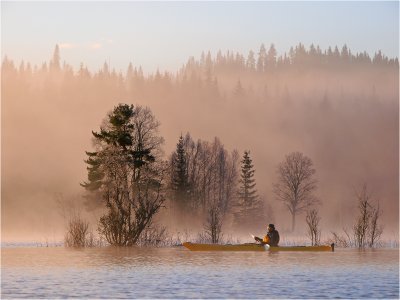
178	273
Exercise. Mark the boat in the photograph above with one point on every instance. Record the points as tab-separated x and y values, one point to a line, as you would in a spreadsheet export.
254	247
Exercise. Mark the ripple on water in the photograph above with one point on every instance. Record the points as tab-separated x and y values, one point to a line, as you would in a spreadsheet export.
178	273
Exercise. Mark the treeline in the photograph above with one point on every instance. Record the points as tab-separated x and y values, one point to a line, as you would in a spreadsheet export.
265	61
226	75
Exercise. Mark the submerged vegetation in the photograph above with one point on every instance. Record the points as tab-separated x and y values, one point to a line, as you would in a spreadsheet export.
313	232
367	230
78	234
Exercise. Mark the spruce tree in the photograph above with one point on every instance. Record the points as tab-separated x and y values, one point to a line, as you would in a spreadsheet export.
55	62
249	205
271	57
251	61
179	183
247	192
262	55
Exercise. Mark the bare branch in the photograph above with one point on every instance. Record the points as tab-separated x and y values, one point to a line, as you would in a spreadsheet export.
296	184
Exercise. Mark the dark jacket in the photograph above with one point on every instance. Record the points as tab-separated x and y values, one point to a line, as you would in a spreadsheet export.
272	238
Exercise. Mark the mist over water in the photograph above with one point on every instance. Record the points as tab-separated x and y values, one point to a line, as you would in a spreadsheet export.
131	272
343	114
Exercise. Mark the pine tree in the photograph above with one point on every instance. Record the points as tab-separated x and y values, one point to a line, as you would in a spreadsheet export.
129	72
180	184
251	61
271	57
249	206
247	192
262	56
55	62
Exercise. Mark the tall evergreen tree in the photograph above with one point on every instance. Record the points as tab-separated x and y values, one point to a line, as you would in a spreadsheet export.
180	184
247	192
249	204
271	57
55	61
251	61
262	57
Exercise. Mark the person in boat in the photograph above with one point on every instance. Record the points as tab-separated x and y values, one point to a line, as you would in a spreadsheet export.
272	237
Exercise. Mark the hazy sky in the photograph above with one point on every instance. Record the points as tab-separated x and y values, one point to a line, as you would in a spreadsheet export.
165	34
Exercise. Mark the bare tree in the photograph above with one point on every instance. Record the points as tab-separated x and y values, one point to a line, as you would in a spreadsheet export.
296	184
128	217
78	234
314	232
154	235
375	230
213	227
231	178
340	240
360	228
366	230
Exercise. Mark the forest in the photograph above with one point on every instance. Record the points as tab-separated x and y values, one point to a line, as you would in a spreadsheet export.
338	108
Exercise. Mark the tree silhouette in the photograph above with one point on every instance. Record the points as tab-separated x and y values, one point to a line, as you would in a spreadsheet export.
55	61
262	56
127	172
271	57
180	182
251	61
249	206
296	184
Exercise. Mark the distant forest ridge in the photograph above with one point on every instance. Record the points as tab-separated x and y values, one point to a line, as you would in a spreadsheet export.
260	76
262	61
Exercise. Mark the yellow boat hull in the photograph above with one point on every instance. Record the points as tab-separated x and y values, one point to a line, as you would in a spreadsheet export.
253	247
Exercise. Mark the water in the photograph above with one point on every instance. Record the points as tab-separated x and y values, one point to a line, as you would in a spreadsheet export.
178	273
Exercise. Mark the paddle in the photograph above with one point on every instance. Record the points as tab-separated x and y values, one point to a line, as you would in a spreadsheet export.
256	238
266	246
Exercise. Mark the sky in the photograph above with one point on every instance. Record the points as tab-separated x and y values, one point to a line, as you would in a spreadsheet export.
164	35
